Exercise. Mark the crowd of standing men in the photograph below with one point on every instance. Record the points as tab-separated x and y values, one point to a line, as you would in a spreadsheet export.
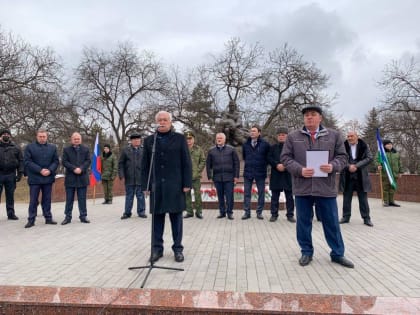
169	165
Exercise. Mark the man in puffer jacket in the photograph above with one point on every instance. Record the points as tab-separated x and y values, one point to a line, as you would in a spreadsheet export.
11	170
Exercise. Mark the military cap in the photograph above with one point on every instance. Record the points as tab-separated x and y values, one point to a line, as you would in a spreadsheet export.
189	134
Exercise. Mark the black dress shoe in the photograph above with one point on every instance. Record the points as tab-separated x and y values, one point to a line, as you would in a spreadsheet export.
188	215
393	204
344	220
105	202
246	217
343	261
230	216
291	219
368	222
12	217
305	260
179	257
260	216
199	215
155	256
84	220
142	215
66	221
273	218
220	216
124	216
29	225
52	222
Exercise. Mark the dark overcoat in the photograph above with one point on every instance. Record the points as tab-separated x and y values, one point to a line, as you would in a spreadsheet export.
172	171
278	180
38	156
363	159
73	159
129	165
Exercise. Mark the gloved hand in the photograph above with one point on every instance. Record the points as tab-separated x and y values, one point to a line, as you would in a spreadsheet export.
19	177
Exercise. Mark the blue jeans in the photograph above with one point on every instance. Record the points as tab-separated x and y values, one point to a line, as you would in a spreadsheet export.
34	191
81	200
328	212
130	191
225	196
247	194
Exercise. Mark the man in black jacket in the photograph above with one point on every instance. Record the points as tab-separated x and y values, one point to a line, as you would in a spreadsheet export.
41	162
355	177
76	160
171	178
129	169
280	179
11	170
222	166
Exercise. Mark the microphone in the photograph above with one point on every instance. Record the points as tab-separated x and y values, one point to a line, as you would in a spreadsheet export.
156	126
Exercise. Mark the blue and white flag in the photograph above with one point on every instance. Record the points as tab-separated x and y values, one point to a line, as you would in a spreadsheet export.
384	161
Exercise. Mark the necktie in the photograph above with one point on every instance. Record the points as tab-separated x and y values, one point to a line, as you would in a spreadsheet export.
254	143
313	133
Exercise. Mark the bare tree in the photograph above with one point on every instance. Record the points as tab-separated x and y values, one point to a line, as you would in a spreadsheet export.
400	111
26	73
235	73
289	83
117	87
401	82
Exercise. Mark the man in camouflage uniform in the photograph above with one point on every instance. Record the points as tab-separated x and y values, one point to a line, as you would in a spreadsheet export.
198	161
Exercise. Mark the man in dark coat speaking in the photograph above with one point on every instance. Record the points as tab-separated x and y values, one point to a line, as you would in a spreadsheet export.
170	178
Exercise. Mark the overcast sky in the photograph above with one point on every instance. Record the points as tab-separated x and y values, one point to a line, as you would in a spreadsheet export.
349	40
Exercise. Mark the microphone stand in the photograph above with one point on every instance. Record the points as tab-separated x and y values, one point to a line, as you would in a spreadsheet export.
151	264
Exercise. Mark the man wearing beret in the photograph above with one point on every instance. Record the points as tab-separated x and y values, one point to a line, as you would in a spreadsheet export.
318	188
198	161
280	179
129	169
11	170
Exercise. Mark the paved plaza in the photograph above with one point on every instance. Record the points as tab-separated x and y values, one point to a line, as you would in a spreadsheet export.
222	255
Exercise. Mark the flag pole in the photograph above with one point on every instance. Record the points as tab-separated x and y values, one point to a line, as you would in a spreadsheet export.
94	193
380	184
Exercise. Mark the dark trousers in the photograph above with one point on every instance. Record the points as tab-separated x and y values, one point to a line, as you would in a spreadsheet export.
328	212
9	183
81	200
225	196
247	194
130	191
34	191
290	203
159	227
353	185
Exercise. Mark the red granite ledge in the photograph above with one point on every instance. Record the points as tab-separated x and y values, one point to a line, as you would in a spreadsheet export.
69	300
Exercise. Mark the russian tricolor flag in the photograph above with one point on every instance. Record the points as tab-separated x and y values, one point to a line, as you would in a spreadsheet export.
95	175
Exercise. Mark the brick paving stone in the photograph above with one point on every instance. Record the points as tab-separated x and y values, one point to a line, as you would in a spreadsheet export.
252	255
